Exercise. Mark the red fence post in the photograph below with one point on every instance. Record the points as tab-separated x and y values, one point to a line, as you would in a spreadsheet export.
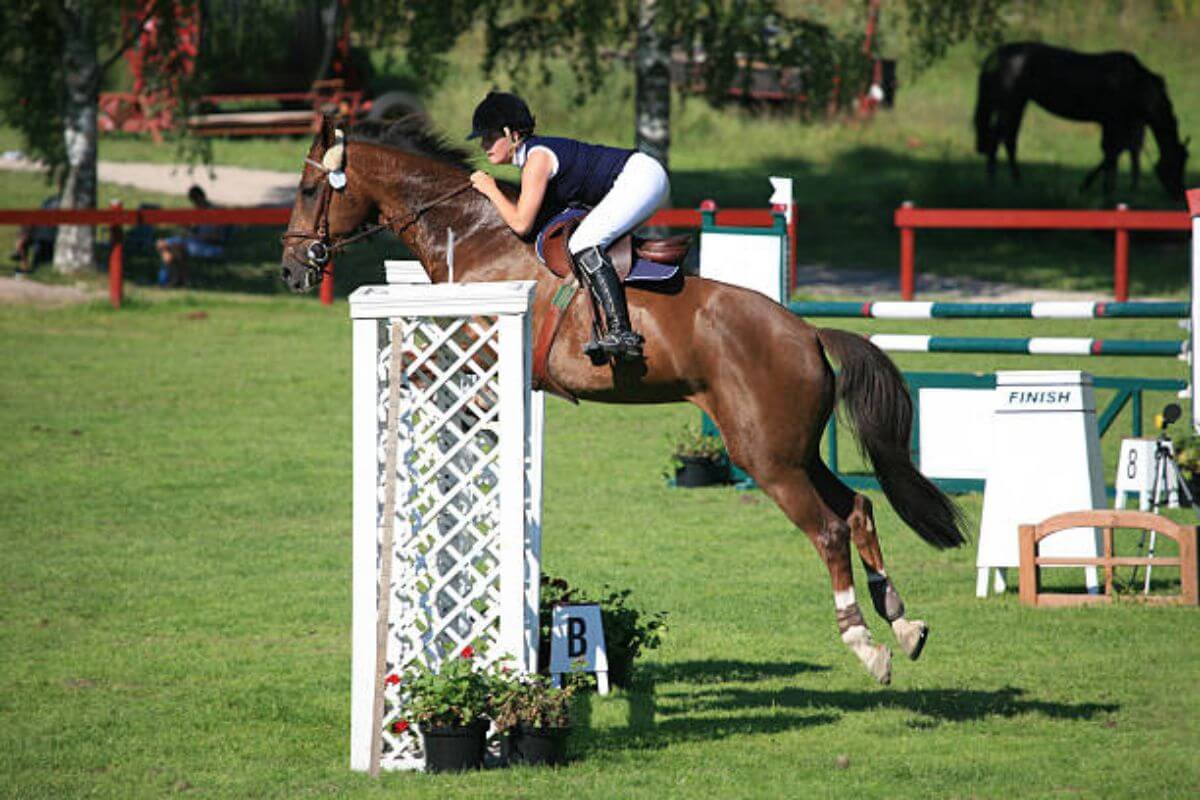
116	260
793	275
1121	260
908	280
327	286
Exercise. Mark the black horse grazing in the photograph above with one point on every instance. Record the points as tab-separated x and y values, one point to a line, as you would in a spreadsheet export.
1113	89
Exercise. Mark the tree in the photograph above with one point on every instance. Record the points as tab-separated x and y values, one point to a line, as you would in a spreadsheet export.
717	37
50	55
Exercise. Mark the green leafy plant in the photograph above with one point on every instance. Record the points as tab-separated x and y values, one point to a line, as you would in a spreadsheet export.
535	702
692	443
1187	455
628	631
457	695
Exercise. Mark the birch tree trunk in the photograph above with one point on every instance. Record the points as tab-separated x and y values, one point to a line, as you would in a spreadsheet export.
653	85
73	249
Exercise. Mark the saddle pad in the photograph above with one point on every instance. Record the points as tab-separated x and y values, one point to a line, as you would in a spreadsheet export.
650	272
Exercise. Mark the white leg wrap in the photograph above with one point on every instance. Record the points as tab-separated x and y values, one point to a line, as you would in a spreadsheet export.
876	658
910	635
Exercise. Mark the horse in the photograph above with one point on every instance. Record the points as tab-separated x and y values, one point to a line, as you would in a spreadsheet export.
760	372
1113	89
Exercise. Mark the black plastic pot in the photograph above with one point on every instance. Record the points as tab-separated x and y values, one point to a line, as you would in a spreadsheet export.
701	471
537	746
455	749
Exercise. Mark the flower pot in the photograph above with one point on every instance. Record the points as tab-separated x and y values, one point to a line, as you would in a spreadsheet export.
456	748
700	471
538	746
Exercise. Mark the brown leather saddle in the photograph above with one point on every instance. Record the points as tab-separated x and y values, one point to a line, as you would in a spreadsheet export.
670	250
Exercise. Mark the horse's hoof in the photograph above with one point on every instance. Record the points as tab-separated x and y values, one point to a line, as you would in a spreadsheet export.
911	636
880	665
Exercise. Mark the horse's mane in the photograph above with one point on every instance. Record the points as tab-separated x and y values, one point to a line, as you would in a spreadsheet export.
412	134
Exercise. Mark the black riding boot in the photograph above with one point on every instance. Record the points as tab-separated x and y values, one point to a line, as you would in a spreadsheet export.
620	339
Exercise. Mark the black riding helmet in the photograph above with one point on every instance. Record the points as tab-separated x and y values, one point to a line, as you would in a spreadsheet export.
500	110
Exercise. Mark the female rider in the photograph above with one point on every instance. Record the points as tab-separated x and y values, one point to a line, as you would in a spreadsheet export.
624	187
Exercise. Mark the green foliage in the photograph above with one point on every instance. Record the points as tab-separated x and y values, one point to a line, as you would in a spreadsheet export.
535	702
691	442
934	26
627	630
1187	454
458	694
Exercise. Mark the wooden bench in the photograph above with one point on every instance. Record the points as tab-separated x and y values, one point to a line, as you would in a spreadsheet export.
1108	520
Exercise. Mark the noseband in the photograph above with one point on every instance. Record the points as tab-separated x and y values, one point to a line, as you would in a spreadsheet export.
322	246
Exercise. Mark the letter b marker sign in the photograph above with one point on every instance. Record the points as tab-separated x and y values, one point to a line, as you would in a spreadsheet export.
577	643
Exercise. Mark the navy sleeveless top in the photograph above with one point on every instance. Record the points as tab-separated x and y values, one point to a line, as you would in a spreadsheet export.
586	172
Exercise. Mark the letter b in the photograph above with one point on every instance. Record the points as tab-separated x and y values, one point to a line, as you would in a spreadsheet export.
576	637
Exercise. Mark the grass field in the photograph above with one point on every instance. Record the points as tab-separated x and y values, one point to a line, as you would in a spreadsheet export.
851	176
175	612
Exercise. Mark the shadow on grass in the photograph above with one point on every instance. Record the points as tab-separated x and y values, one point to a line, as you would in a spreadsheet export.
658	719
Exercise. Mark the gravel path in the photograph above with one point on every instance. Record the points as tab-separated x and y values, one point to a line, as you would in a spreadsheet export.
239	186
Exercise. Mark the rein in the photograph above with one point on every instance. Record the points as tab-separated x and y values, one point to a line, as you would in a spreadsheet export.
322	247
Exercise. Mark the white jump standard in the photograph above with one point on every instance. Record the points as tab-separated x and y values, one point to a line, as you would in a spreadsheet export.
446	536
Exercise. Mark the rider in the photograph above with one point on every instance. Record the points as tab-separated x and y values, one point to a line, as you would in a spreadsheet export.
624	187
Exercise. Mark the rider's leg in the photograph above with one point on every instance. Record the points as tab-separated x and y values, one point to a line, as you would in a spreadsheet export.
601	278
639	190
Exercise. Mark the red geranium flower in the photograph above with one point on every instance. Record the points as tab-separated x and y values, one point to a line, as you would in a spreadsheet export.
468	652
392	680
400	726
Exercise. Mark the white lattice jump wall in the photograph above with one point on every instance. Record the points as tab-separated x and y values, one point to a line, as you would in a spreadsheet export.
447	493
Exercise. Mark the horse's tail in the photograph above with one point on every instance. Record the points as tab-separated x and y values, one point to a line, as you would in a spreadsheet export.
874	394
985	104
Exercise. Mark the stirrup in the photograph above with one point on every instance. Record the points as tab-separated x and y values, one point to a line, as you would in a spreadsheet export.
622	345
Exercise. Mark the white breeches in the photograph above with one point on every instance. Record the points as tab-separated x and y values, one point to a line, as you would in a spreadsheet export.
637	193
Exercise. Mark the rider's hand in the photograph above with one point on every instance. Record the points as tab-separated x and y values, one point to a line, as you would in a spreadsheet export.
483	182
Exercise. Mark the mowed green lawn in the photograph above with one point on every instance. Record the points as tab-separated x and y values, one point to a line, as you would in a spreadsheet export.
175	609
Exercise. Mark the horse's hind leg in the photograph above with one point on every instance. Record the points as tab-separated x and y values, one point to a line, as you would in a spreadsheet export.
859	514
1135	155
1010	123
830	534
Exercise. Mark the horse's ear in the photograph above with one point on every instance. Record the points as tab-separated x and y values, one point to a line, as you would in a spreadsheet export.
328	126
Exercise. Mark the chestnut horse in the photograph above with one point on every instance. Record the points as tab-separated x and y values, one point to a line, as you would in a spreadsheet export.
758	370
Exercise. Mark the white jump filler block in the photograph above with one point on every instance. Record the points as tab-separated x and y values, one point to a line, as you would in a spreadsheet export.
1045	460
465	534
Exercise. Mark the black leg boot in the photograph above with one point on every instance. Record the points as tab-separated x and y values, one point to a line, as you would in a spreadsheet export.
619	340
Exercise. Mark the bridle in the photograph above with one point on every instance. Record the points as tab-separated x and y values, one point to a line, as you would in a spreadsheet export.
322	247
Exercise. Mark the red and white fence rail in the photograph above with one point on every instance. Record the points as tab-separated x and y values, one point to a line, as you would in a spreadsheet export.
1120	220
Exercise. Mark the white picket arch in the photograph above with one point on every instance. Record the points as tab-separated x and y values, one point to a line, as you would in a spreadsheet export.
463	444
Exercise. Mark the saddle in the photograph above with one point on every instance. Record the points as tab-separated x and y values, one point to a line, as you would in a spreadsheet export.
634	258
625	252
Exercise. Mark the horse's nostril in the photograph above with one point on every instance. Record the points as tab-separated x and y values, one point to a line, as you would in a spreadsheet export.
287	273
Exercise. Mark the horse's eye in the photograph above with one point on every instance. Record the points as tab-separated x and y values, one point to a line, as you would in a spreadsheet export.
308	191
